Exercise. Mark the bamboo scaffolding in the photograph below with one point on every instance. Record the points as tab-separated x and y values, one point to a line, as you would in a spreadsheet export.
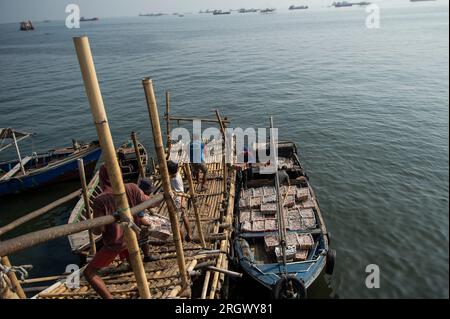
154	119
138	155
98	111
187	173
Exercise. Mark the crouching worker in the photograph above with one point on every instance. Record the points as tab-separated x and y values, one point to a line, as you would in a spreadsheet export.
113	234
178	188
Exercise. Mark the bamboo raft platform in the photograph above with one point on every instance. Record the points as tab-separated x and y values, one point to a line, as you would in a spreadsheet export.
216	211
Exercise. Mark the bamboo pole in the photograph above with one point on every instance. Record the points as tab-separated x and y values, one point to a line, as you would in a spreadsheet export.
12	276
164	173
18	153
87	204
187	172
34	214
138	155
104	134
224	162
190	119
169	140
22	242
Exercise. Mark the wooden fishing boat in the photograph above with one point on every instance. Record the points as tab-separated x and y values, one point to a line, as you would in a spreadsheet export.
259	238
42	169
128	162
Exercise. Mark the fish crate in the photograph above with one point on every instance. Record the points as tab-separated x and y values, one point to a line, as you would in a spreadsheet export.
257	192
301	255
244	202
256	215
304	241
255	202
159	227
269	191
289	201
245	216
295	224
269	198
270	208
258	225
302	194
308	223
270	242
290	253
307	213
246	226
270	224
308	218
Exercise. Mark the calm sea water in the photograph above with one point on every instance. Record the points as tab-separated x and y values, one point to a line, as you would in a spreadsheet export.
368	109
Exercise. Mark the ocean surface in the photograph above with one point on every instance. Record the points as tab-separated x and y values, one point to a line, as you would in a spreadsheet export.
368	108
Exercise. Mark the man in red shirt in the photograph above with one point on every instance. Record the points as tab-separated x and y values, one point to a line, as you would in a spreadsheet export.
112	234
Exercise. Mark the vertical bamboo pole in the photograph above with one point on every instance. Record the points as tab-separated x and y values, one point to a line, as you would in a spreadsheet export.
12	276
18	153
169	141
87	204
164	173
187	172
138	155
224	162
104	134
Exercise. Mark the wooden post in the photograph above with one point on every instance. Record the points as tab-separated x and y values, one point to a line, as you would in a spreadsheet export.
12	276
224	162
18	153
115	175
169	141
187	172
164	173
138	155
87	204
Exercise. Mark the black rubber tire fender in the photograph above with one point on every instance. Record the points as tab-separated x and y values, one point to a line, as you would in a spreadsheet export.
331	260
281	286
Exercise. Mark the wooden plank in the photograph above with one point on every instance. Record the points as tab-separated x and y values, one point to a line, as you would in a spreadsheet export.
15	169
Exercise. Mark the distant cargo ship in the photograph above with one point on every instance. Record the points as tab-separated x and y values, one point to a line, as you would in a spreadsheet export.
26	26
298	7
268	10
83	19
342	4
217	12
243	10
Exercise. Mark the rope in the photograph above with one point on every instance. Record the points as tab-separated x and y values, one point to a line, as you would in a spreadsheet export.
20	271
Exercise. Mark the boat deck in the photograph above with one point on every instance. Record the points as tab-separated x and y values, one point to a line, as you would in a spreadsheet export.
162	273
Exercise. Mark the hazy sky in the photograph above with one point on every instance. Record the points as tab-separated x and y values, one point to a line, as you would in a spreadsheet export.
17	10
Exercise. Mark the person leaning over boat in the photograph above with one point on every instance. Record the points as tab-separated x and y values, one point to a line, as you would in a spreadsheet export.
283	177
197	152
113	234
178	187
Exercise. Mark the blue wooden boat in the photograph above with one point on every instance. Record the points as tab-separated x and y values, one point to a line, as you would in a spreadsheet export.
286	263
42	169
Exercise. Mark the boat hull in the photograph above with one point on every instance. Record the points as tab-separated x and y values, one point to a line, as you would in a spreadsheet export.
63	170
